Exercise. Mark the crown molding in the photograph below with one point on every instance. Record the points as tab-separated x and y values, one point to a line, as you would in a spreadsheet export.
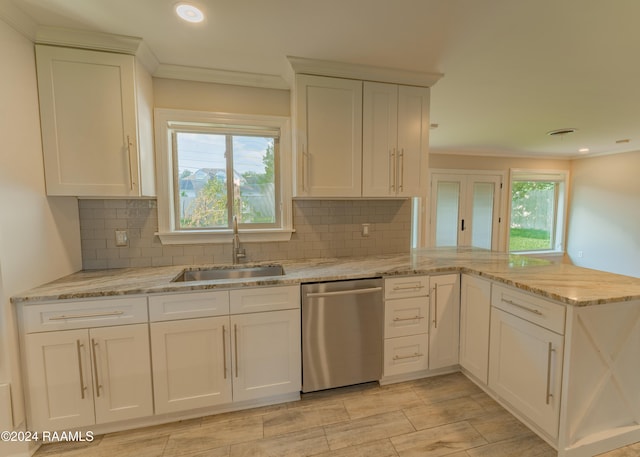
362	72
97	41
18	20
211	75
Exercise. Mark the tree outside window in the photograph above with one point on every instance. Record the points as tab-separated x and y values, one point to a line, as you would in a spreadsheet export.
537	212
224	175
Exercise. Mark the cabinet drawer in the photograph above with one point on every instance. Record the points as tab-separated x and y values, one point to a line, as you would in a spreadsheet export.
406	316
188	305
537	310
406	354
253	300
84	314
408	286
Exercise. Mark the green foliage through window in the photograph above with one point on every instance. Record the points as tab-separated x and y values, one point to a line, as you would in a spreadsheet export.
224	175
533	215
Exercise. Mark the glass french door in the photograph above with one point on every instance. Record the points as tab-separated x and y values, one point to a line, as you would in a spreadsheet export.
465	210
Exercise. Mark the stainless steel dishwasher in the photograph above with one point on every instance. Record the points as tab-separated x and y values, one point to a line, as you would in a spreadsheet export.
342	333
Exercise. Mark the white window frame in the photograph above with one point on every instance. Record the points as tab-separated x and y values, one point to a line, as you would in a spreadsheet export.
165	120
561	210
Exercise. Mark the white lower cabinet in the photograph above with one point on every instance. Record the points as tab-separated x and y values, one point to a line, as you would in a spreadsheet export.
266	354
191	363
406	326
209	361
444	333
475	313
526	369
88	376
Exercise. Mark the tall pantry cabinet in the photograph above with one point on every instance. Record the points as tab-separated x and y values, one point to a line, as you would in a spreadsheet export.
96	112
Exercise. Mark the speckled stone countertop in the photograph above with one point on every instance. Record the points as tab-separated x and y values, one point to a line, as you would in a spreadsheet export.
565	283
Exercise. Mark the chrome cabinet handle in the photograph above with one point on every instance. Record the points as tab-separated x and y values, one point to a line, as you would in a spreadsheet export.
408	287
79	346
526	308
131	181
84	316
95	367
304	169
392	170
435	311
235	340
550	350
402	357
401	174
400	319
224	351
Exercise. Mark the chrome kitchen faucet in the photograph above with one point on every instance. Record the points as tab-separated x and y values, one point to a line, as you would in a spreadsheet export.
238	252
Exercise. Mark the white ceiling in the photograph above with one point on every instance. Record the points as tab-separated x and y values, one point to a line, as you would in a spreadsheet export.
513	69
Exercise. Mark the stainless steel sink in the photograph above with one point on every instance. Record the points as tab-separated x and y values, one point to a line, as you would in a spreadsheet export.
209	274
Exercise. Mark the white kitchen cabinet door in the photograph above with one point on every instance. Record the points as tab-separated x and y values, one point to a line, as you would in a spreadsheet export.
445	321
328	137
475	312
121	372
265	354
59	389
525	368
96	118
413	140
395	140
379	139
191	363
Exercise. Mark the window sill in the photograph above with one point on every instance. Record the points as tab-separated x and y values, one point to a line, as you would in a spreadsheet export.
555	256
225	236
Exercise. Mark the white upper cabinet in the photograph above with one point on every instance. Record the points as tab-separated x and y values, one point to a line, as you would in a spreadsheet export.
395	140
328	137
358	138
97	123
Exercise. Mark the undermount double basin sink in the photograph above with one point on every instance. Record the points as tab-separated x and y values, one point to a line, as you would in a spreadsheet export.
209	274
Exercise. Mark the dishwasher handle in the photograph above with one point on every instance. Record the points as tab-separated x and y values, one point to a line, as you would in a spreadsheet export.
344	292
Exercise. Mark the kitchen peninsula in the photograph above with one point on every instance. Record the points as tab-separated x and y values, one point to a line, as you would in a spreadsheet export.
559	341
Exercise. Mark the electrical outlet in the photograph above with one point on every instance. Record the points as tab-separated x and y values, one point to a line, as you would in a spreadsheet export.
122	239
365	230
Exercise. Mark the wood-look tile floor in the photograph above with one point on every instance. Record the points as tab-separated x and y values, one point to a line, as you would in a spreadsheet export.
444	415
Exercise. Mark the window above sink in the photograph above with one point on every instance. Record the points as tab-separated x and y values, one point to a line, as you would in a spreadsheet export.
214	166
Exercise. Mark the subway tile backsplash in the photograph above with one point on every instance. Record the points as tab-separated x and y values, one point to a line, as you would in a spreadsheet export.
324	228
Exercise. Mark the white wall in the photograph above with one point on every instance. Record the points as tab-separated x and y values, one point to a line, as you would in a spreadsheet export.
223	98
39	236
604	217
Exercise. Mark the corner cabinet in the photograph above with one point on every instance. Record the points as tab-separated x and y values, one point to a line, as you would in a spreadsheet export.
359	139
444	333
395	140
96	113
475	314
328	136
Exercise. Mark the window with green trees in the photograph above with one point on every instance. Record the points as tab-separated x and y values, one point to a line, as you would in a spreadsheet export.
219	175
537	212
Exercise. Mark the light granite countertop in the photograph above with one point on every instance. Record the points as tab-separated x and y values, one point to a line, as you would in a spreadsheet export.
565	283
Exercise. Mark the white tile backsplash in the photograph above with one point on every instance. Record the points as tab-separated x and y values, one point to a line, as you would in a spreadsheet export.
324	228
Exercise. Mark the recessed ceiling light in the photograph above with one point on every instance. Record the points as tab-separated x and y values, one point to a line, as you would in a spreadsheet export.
561	132
583	150
189	13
